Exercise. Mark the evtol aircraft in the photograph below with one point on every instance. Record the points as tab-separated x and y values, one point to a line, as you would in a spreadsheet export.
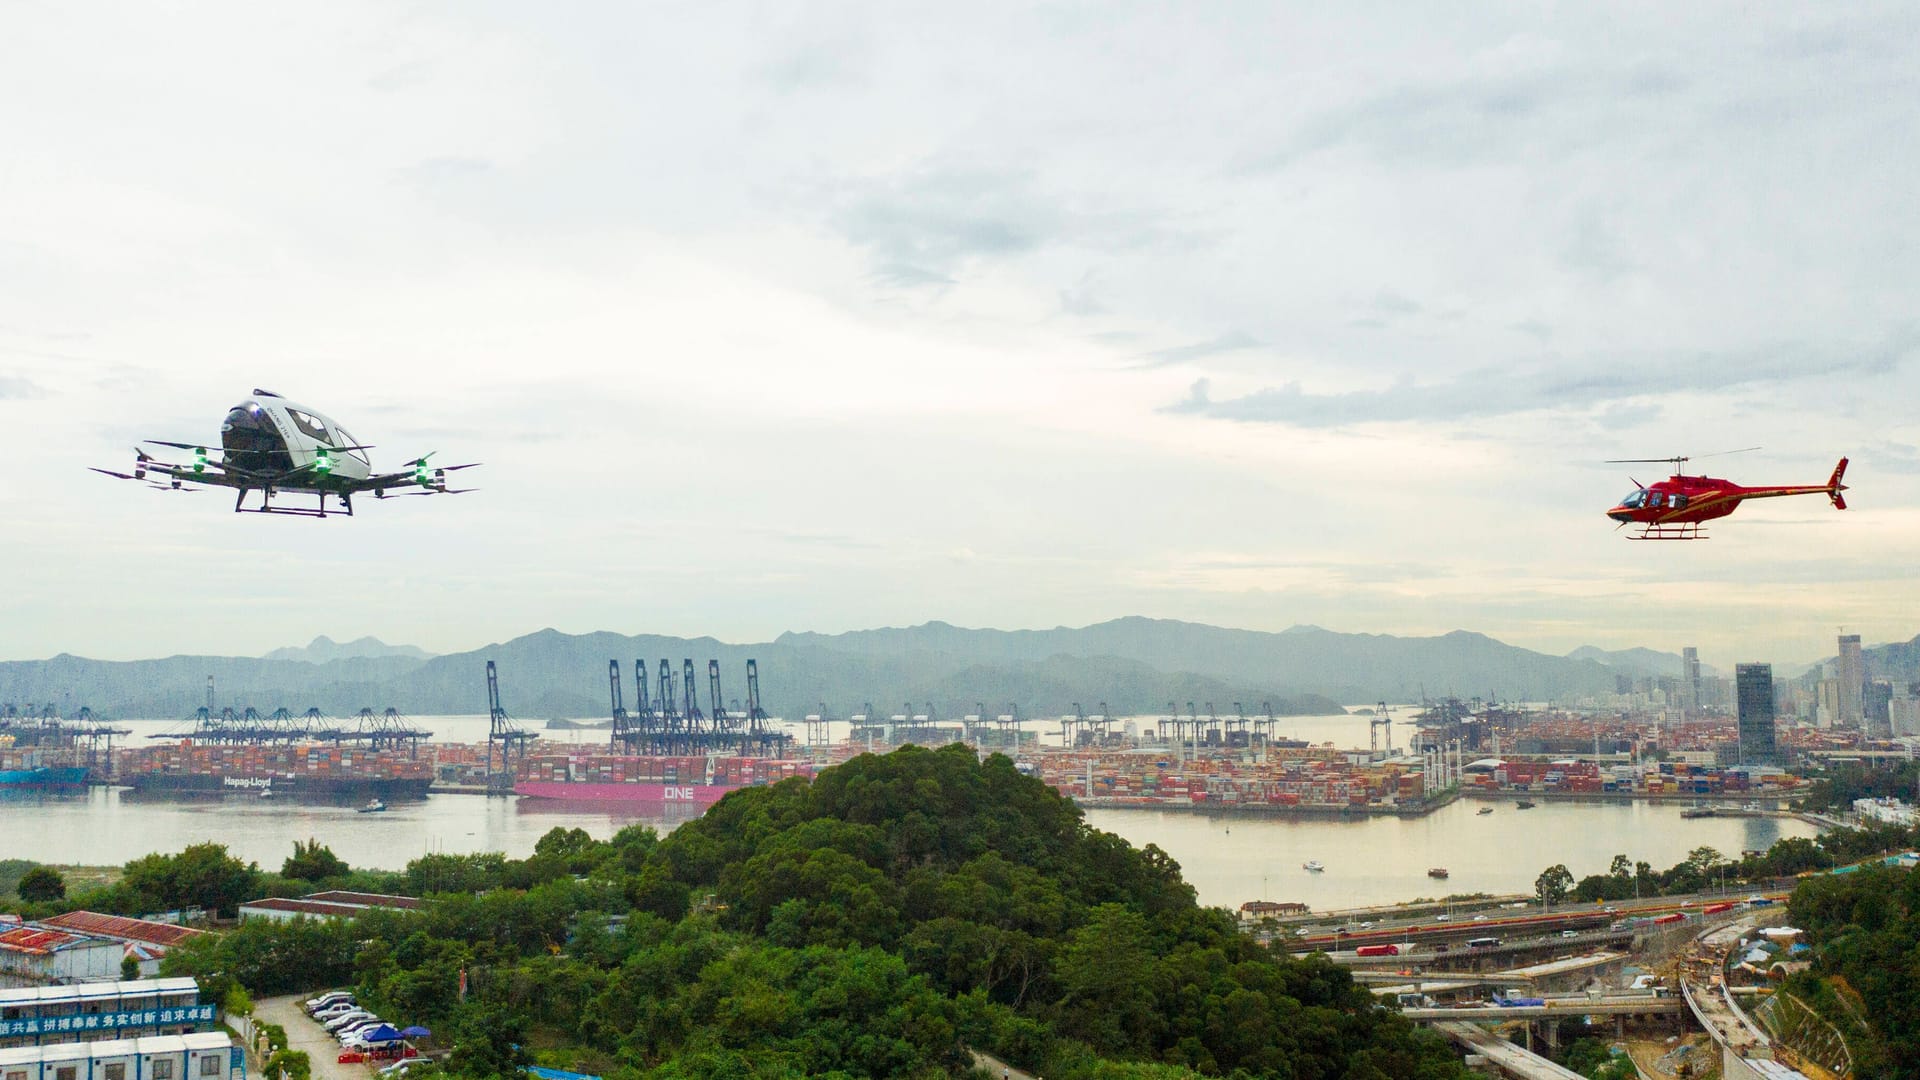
272	446
1678	507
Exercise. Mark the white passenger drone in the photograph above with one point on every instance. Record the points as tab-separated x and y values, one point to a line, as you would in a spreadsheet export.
272	446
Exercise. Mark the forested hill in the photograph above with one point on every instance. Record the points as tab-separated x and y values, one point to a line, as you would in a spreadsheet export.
881	922
1134	665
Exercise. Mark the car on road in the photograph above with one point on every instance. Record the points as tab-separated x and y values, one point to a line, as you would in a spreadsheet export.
1569	933
1366	926
1610	910
1302	932
1479	918
1443	918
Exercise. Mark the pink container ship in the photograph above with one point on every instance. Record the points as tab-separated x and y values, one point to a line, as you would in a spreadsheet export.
680	781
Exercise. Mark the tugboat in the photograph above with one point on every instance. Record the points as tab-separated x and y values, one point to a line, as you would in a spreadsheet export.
1523	805
1437	872
1313	865
374	806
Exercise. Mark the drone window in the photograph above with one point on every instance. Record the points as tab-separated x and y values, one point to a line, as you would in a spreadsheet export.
309	425
347	439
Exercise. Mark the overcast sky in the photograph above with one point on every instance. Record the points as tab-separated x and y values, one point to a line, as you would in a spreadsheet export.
769	317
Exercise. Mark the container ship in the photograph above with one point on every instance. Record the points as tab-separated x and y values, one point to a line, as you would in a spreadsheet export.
700	780
32	768
314	769
41	776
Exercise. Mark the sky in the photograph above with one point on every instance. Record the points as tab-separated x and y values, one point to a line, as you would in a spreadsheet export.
769	317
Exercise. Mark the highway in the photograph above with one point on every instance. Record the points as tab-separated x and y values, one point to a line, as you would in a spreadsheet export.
1469	922
1555	1008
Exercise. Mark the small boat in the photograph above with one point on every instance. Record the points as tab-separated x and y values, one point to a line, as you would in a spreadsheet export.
1312	864
1485	810
374	806
1523	805
1437	871
266	793
1698	811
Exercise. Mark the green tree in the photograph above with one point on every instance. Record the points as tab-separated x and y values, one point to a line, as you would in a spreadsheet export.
41	884
489	1042
1622	868
129	968
1552	885
202	875
313	861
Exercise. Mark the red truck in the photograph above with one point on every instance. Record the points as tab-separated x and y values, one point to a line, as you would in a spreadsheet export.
1715	909
1667	920
1377	950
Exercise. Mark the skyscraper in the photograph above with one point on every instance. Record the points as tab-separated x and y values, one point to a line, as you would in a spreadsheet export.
1690	680
1754	691
1852	674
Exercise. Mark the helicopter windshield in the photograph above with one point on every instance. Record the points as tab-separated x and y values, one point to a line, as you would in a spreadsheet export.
1633	500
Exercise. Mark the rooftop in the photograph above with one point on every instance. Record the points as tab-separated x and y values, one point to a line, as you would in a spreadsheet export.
122	928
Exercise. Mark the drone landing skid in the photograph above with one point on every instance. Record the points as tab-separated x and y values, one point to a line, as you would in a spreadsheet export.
1692	530
267	507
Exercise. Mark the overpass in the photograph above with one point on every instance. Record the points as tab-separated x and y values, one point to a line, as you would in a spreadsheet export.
1511	1060
1556	1009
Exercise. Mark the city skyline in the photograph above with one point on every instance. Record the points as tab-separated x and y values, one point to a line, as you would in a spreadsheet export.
1253	317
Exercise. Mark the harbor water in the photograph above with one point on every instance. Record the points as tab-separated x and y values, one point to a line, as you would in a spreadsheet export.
1228	861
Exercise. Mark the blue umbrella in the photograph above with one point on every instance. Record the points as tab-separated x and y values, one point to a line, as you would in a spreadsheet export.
415	1032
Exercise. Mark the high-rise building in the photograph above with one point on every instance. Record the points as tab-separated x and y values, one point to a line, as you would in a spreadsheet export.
1852	674
1690	680
1754	692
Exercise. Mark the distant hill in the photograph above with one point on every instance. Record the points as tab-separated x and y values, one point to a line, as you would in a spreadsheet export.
1640	663
324	650
1135	665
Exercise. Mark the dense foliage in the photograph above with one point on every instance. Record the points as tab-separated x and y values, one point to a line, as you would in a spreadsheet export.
1865	928
1706	868
884	920
1839	785
203	876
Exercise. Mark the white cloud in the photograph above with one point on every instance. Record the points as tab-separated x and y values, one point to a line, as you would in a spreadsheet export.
704	286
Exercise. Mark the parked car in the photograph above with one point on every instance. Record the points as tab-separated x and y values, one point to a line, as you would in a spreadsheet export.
398	1068
338	1009
334	997
344	1019
364	1024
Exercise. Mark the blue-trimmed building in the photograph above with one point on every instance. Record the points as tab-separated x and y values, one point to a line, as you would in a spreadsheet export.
94	1012
207	1055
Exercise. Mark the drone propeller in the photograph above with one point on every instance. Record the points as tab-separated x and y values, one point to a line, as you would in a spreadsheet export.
110	472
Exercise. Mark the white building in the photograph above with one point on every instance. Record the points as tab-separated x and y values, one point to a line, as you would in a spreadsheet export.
1886	812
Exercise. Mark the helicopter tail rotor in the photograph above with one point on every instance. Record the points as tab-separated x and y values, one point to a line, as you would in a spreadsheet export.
1835	487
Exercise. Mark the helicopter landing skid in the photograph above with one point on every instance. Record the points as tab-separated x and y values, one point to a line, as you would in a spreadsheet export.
1692	530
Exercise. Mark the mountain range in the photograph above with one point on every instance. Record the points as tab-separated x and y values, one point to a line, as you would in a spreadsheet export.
1134	665
325	650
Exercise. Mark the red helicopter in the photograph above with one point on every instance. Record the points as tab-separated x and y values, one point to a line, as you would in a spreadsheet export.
1676	508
